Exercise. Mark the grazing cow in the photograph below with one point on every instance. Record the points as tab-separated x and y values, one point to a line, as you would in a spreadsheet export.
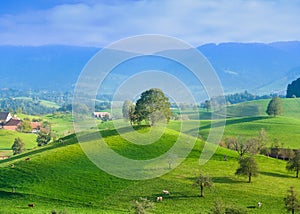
259	204
31	205
166	192
12	165
27	159
159	198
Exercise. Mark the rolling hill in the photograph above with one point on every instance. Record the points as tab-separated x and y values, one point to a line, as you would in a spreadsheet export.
59	177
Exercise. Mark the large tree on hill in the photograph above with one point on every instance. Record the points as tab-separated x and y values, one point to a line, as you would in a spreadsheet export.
275	107
18	146
294	163
153	106
293	89
248	167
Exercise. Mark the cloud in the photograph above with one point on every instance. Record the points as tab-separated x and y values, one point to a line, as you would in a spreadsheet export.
90	23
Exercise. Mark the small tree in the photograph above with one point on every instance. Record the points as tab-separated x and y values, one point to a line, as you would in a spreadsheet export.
294	163
240	145
275	107
18	146
248	167
291	201
25	126
142	205
203	181
43	137
128	106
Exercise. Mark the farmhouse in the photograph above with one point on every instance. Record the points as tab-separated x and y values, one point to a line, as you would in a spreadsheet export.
36	126
4	118
12	124
102	115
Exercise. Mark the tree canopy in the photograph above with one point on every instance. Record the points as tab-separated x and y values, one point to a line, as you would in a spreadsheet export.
294	163
152	106
293	89
248	167
275	107
18	146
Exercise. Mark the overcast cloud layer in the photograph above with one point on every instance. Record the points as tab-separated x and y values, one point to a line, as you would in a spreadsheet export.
98	23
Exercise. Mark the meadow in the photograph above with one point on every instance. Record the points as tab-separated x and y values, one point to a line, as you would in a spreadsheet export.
59	177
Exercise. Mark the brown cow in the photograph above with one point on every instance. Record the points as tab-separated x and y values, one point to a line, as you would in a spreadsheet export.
31	205
27	159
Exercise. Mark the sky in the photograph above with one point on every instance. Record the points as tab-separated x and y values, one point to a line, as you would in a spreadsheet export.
99	23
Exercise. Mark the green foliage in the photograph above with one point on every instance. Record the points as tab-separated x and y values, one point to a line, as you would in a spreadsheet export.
248	167
291	201
25	126
128	110
275	107
293	89
153	106
18	146
203	181
294	163
43	137
142	205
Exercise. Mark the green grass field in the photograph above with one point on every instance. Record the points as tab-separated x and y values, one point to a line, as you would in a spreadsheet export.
60	177
7	139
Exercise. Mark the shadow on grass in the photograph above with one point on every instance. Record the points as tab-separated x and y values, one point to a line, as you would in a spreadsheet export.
225	180
273	174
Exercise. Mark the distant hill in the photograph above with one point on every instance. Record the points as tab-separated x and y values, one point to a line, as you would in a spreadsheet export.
256	67
259	107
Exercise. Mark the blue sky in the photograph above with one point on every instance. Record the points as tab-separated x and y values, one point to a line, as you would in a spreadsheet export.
98	23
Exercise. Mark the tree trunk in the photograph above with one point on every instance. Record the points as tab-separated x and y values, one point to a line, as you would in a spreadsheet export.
293	210
297	173
249	181
201	191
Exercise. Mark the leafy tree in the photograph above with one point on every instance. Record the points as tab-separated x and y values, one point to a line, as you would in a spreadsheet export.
203	181
275	107
18	146
248	167
128	111
240	145
294	163
153	106
44	137
293	89
25	126
221	208
291	201
141	206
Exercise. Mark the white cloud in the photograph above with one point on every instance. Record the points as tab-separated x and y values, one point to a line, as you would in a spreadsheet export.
197	22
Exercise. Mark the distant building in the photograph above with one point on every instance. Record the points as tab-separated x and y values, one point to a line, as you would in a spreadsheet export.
4	118
12	124
36	126
102	115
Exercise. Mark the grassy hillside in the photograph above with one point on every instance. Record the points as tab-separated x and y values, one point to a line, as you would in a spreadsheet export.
291	108
60	177
7	139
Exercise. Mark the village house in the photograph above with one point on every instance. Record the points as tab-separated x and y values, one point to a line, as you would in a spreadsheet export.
36	126
4	118
12	124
